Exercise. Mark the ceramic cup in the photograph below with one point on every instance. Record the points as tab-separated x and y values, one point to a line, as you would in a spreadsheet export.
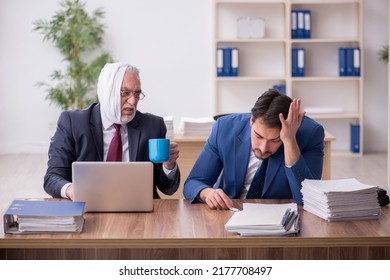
159	150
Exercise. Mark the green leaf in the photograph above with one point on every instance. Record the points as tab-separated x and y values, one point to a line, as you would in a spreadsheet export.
76	34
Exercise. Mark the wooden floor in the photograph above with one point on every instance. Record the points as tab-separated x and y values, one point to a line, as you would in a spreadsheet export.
21	175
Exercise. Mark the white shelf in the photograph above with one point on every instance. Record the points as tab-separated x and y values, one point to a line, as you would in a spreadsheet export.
264	62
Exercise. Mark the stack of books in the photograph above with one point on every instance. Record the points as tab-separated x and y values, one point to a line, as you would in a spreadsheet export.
39	216
340	200
169	124
196	127
265	220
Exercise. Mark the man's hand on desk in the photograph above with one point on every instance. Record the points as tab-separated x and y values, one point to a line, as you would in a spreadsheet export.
215	198
69	192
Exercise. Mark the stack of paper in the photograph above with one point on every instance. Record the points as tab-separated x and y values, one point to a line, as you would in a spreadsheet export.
265	219
29	216
323	110
196	127
169	124
340	200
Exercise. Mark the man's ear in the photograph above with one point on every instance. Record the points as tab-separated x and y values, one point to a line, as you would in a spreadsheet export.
251	120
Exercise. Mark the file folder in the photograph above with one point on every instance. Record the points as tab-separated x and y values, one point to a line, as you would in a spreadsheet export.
293	24
349	61
356	62
301	62
355	138
234	62
280	88
300	24
342	62
219	62
227	61
294	62
40	216
307	24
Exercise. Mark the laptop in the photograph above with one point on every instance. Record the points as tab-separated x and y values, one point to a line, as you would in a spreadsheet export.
114	186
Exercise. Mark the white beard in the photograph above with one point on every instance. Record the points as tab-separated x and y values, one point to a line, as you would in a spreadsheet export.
127	118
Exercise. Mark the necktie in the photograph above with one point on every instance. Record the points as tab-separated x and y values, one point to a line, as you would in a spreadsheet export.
115	149
256	187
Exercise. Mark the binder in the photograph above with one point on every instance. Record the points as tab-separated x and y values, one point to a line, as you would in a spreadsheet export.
40	216
349	61
227	61
293	24
280	88
307	24
294	62
356	62
234	62
300	24
219	62
342	62
355	138
301	62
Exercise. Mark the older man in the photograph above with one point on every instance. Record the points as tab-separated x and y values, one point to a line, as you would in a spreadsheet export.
85	135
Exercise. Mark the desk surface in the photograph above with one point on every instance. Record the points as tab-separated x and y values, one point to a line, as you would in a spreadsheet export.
179	224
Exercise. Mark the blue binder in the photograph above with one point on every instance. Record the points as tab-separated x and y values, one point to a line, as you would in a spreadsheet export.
356	62
307	24
342	62
300	24
301	62
293	24
219	62
227	61
349	62
46	216
234	62
355	138
294	62
280	88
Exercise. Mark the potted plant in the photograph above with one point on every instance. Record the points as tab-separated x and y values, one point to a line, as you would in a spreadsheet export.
384	54
77	35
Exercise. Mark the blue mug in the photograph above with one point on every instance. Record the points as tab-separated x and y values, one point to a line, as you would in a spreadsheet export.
159	150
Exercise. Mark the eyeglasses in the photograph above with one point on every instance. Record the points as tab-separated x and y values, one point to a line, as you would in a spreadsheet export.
137	94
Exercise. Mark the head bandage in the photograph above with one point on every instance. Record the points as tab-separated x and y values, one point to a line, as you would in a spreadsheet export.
108	90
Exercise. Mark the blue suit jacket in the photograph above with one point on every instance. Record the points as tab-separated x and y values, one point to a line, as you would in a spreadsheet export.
79	137
228	149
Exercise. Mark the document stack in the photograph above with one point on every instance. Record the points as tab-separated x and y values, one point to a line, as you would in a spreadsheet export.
196	127
340	200
265	220
169	124
39	216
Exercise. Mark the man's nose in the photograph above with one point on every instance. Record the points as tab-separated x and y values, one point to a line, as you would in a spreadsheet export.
263	145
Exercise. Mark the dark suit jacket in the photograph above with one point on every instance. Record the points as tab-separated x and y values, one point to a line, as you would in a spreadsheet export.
79	137
228	149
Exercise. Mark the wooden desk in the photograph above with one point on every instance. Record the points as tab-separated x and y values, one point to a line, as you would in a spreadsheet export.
190	148
180	230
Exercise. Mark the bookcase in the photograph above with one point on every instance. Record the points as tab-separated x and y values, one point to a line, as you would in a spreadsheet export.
334	101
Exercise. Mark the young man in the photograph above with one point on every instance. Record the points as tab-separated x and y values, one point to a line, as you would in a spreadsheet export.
85	135
276	136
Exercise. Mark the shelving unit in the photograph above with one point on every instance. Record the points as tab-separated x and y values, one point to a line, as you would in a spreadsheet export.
266	61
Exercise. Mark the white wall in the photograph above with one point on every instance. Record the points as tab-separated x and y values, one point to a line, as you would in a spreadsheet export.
375	75
170	41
